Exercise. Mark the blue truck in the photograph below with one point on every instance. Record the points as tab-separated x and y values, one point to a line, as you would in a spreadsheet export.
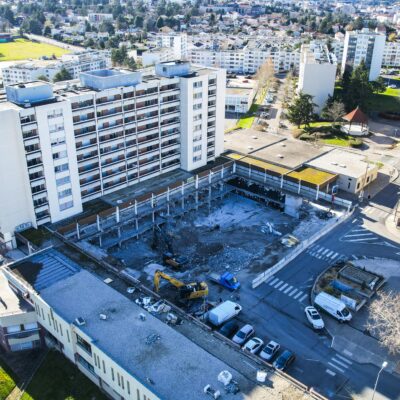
226	280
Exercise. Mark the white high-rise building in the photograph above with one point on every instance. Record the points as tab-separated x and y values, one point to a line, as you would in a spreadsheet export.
64	147
317	73
364	45
173	40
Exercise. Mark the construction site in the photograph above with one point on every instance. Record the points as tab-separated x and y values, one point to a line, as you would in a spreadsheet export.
204	233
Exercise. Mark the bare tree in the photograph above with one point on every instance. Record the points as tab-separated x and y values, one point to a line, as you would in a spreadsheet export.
265	73
334	111
384	320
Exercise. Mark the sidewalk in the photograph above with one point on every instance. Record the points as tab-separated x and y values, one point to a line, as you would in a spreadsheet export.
359	347
391	226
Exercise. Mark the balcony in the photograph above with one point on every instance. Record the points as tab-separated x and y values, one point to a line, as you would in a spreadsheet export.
82	104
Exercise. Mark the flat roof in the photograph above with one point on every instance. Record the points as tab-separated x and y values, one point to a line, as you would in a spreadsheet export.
312	175
123	335
342	162
290	153
10	302
248	140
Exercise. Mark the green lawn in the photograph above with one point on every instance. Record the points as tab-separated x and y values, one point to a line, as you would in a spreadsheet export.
338	140
388	101
21	49
247	120
59	379
317	124
7	381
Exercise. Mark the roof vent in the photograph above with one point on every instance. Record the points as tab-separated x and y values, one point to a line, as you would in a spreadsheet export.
250	147
280	156
103	317
254	137
80	321
283	145
342	165
334	163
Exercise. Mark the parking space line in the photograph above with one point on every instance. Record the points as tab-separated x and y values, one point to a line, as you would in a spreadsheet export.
334	256
303	298
328	371
269	279
325	252
273	282
283	287
298	294
359	234
330	253
354	257
322	248
293	292
287	289
278	284
336	367
362	239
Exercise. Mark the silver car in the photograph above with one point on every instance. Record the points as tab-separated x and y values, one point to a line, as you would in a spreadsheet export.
269	351
243	334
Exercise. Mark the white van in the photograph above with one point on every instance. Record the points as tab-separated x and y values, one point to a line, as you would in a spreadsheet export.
332	306
223	312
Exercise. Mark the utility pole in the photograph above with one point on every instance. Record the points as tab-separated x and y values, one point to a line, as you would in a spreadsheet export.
384	365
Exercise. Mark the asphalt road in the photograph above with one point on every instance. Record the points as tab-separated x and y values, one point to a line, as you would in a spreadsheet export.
276	308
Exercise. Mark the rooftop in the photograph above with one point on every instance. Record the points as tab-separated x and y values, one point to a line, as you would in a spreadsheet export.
290	153
342	162
10	302
248	140
171	358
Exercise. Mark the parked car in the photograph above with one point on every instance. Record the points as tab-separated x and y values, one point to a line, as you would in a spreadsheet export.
224	312
243	334
332	306
314	318
270	350
229	328
253	345
284	360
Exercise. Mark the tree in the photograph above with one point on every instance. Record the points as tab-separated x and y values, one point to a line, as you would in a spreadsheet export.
138	21
265	73
384	320
62	75
160	22
42	78
107	26
212	20
47	31
301	111
333	110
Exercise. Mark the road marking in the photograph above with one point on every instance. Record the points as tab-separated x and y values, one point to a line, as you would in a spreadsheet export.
330	253
344	359
274	281
297	295
348	353
354	257
283	287
292	292
360	234
278	284
342	364
328	371
289	288
320	249
361	240
336	367
334	256
269	279
325	252
358	230
303	298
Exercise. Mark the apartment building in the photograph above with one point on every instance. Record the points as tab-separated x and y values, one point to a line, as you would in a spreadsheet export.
74	63
98	18
65	146
239	95
246	61
173	40
157	55
364	45
391	55
317	73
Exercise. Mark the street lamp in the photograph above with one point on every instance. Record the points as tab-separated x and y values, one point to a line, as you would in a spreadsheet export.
384	365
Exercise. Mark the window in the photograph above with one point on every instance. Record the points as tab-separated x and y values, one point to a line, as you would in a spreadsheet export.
197	158
64	193
197	128
83	344
197	95
63	181
197	148
128	387
197	106
104	366
57	140
112	374
197	117
197	84
69	341
61	168
60	155
66	206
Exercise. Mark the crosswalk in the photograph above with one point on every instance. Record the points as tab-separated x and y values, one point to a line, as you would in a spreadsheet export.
338	363
287	289
326	254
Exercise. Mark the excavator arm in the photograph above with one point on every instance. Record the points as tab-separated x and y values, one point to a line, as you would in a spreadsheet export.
173	281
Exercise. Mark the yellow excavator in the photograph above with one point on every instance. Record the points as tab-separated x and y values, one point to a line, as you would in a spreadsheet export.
187	291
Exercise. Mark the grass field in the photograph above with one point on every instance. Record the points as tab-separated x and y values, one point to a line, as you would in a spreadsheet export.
247	120
59	379
21	49
7	381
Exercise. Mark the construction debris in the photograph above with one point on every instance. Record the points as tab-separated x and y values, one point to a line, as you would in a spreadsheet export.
215	394
152	338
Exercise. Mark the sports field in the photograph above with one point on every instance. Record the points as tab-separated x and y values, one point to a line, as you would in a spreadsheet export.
22	49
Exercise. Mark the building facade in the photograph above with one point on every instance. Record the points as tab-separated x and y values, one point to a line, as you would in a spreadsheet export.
317	73
74	63
64	147
364	45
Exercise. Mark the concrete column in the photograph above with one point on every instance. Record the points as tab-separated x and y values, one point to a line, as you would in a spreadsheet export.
222	172
168	193
265	176
317	195
135	207
78	234
281	181
210	177
183	195
249	171
117	216
234	168
119	232
98	223
30	249
100	241
327	188
152	200
196	182
298	191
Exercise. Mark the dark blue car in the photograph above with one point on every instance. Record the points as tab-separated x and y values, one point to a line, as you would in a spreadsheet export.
284	360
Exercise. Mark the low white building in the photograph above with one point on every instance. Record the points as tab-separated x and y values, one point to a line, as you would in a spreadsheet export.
354	171
239	95
158	55
317	73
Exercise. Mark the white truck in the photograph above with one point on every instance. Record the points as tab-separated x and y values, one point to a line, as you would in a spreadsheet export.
223	312
332	306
